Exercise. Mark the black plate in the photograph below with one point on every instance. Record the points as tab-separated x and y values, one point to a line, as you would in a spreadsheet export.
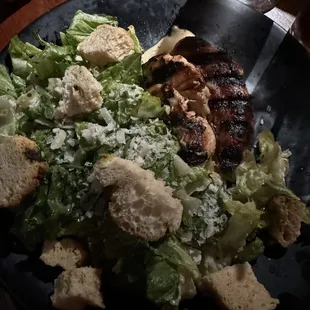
277	70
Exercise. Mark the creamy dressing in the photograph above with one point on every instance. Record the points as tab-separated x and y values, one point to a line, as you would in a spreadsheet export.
167	43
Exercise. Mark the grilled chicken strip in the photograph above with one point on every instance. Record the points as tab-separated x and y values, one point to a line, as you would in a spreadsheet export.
194	133
181	86
230	115
177	73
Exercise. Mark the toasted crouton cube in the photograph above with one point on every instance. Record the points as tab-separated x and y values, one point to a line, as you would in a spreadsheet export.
286	216
140	204
21	170
67	253
80	93
237	288
77	288
106	44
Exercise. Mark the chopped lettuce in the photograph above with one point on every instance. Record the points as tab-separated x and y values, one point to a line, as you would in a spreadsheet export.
36	65
54	207
234	206
162	283
151	145
52	61
19	83
57	145
272	159
108	138
235	235
83	25
172	251
21	54
126	102
261	181
138	48
205	218
36	103
250	176
250	252
171	274
7	122
6	85
128	71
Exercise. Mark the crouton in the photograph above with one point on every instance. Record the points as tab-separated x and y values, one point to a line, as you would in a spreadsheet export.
67	253
106	44
77	288
237	288
140	204
80	93
285	216
21	170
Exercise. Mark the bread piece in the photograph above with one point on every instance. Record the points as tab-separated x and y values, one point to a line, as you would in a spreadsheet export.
140	204
80	93
67	253
77	288
21	170
285	214
106	44
237	288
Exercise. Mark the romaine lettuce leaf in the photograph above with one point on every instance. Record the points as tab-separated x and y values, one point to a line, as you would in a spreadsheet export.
172	251
21	54
250	176
130	101
128	71
162	283
6	85
243	221
83	25
52	61
138	48
274	161
36	65
250	252
234	206
261	181
19	83
180	175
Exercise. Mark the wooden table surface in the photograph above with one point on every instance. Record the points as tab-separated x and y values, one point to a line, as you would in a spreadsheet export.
284	15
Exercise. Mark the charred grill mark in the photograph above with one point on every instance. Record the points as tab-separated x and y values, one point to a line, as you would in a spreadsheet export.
227	81
190	156
33	155
227	92
191	134
224	69
162	73
230	157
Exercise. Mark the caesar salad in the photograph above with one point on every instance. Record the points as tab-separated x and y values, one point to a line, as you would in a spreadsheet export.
140	170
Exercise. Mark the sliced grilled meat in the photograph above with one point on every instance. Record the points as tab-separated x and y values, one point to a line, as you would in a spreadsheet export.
230	113
195	135
225	88
181	85
179	74
210	59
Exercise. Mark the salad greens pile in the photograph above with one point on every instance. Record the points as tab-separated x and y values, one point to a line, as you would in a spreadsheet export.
222	220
